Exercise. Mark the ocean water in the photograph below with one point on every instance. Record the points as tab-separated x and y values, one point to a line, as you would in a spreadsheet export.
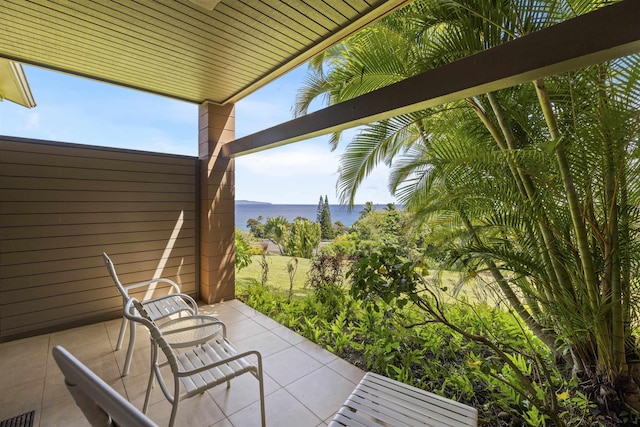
246	211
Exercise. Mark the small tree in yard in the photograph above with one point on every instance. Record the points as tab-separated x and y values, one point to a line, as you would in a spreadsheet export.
300	238
256	227
339	228
391	281
319	210
325	270
326	277
292	268
303	238
324	218
277	229
264	266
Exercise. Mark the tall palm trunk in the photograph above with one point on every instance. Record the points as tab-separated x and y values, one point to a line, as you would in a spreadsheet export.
601	325
518	178
612	289
546	335
550	251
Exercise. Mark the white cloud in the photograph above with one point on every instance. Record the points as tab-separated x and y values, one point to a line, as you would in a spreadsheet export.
253	115
294	161
33	121
299	173
17	120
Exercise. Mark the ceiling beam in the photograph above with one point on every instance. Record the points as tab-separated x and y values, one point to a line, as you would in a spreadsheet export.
599	36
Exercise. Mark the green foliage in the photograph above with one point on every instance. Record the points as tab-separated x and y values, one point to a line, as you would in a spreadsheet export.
325	277
385	274
256	228
400	344
277	230
344	245
515	367
376	228
257	249
325	271
535	184
298	239
319	210
243	249
339	228
302	239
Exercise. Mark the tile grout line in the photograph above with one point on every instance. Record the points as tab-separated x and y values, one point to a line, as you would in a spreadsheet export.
44	380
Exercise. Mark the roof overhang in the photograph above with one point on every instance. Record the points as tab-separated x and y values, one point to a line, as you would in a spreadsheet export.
185	50
610	32
13	84
199	51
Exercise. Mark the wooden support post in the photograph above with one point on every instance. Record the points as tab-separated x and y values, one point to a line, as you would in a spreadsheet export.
217	195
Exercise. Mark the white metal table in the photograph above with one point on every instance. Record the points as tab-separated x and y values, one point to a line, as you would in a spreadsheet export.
191	330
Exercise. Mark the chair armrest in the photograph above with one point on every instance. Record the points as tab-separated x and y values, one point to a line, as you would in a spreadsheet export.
173	284
222	362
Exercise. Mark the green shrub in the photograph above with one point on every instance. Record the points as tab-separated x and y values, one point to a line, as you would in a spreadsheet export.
344	245
405	344
243	251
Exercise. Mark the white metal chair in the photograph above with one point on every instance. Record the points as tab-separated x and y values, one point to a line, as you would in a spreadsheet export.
158	308
101	405
198	353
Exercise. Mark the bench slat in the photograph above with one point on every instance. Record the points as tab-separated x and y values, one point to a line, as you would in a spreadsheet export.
404	397
380	401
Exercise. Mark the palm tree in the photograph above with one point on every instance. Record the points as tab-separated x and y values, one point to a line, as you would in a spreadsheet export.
367	208
277	229
538	180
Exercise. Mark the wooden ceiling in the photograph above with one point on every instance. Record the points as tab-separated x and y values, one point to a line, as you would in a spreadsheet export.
180	48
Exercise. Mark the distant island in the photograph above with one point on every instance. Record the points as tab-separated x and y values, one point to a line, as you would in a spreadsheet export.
250	202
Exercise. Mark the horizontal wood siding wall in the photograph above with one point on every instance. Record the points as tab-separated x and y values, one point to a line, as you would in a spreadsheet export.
62	205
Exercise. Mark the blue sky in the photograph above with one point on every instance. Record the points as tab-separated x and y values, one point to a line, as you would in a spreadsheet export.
78	110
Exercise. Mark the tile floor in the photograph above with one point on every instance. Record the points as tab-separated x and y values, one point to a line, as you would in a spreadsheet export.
304	384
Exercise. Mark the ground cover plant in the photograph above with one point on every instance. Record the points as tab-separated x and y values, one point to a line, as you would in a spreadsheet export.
399	343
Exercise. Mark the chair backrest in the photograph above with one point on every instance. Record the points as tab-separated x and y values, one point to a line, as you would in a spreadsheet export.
112	271
100	404
135	312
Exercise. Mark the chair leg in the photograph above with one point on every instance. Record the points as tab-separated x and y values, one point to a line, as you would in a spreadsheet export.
152	370
262	410
132	342
174	412
261	383
176	400
121	334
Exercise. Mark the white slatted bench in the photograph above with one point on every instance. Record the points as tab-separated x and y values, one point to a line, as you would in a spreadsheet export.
380	401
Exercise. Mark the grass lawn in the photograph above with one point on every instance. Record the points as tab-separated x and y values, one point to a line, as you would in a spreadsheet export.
278	277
